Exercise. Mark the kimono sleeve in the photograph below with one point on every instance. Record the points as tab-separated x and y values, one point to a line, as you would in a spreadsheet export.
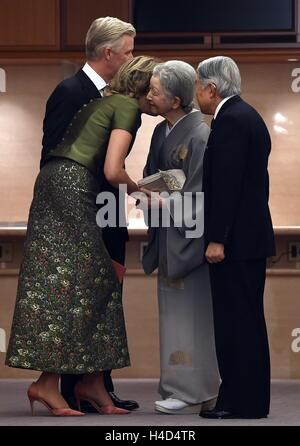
151	166
151	255
185	239
190	221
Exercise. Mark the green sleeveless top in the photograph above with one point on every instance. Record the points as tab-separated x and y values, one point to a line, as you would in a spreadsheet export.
86	138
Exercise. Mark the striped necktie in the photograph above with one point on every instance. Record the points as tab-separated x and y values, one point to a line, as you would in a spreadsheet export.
102	91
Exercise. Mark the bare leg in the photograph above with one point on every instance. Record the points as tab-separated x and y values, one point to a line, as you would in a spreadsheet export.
48	390
94	388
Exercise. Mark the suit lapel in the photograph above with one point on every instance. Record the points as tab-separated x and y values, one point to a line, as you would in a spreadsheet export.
88	86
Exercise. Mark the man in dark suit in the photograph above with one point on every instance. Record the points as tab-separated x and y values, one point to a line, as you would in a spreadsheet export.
109	43
239	237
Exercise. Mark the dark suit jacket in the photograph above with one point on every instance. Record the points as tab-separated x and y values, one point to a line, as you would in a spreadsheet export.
236	183
67	98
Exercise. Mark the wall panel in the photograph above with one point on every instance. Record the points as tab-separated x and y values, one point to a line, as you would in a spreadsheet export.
29	25
78	15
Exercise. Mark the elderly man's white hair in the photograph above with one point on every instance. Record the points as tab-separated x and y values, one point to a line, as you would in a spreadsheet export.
223	72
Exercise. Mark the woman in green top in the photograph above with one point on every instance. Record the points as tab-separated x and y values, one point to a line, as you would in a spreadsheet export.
68	316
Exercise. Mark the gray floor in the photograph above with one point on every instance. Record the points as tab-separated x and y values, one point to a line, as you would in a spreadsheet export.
14	408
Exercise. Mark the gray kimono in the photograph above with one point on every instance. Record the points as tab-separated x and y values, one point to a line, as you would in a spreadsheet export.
188	362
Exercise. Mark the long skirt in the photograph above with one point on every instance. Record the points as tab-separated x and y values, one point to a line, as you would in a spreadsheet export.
68	316
189	369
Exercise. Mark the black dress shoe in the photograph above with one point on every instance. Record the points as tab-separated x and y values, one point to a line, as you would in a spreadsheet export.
86	407
123	404
226	415
217	414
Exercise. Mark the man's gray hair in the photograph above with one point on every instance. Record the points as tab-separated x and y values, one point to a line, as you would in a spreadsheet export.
106	32
223	72
178	78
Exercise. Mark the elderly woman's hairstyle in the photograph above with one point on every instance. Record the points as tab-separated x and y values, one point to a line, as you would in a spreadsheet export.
133	78
106	32
223	72
178	78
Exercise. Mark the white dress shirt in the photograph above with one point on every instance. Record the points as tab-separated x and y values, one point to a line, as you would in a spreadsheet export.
221	105
95	78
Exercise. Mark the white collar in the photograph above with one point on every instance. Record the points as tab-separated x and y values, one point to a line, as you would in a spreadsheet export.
94	77
221	105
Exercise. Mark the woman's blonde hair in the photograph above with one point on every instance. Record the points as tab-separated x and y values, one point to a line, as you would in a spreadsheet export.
133	78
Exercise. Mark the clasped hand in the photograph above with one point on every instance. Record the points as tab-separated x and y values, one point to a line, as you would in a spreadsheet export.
149	199
215	253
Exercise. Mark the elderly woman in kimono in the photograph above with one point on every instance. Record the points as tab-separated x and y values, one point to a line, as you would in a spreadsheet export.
189	379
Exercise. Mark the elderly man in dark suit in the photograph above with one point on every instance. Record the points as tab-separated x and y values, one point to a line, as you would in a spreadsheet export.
109	43
239	237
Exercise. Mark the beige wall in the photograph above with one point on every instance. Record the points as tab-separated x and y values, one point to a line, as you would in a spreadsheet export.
282	307
22	109
267	86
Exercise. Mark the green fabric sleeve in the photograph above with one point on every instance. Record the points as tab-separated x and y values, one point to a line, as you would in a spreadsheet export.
127	115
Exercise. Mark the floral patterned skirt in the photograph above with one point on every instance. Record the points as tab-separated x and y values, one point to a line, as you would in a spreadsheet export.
68	316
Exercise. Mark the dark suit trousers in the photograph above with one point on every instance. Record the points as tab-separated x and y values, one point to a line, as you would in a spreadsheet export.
115	245
241	336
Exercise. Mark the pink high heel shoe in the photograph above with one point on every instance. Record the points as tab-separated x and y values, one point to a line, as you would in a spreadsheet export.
104	410
33	395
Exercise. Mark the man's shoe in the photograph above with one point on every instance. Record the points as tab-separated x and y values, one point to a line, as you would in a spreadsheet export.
123	404
173	406
217	414
226	415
